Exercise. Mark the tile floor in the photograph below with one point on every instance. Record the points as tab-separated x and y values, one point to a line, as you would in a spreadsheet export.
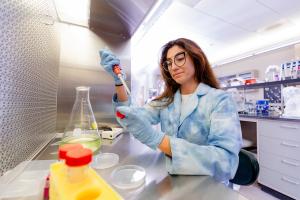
254	192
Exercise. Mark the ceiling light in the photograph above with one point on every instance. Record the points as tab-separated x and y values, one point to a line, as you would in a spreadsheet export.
73	11
152	16
257	52
273	26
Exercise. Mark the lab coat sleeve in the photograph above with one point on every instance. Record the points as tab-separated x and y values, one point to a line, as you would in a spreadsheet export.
152	111
117	103
219	157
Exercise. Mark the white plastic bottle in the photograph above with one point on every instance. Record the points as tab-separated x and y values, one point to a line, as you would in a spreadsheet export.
282	72
294	70
298	69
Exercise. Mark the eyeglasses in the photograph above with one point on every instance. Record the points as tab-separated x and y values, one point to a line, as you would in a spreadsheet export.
179	61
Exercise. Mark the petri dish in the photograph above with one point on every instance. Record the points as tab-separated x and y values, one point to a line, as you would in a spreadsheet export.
128	176
105	160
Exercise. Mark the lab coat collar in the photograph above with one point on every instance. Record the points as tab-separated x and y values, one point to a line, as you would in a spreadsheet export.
201	90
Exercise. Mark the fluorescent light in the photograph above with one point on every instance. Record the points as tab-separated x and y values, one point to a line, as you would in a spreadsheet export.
266	41
258	51
152	16
158	6
73	11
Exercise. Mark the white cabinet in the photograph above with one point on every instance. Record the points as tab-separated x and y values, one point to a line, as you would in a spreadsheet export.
279	156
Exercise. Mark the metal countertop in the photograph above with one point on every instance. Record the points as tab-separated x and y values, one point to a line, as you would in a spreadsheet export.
159	184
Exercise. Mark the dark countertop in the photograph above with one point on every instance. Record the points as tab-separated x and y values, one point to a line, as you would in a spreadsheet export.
159	184
270	117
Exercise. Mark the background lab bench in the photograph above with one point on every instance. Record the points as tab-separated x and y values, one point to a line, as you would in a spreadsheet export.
278	151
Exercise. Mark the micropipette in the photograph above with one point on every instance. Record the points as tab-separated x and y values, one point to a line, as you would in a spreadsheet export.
117	71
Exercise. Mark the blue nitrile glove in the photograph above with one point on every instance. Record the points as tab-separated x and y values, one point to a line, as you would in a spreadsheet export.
137	123
108	61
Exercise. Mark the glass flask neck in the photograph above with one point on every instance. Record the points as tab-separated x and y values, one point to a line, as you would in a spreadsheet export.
82	92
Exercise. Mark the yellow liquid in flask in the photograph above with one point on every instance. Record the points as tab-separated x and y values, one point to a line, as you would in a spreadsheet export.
90	141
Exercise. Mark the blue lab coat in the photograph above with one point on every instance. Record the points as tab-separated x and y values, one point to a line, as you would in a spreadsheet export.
207	140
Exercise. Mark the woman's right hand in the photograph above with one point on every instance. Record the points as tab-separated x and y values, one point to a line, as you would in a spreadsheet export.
136	121
108	61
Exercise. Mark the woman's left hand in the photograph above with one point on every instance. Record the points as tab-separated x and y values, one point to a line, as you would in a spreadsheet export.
137	123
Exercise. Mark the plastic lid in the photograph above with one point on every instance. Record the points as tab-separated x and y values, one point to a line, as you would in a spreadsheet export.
262	101
62	151
105	160
78	157
128	176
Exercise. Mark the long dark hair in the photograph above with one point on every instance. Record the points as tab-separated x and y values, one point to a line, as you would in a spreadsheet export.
203	70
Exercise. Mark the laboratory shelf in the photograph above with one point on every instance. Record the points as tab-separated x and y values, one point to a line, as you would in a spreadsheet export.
265	84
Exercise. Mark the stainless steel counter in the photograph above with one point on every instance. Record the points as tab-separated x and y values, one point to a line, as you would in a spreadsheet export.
159	184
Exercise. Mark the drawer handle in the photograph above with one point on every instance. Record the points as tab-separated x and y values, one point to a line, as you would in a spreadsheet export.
289	145
290	163
289	181
291	127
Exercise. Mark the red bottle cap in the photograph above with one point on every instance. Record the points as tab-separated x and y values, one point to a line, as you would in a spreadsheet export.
78	157
62	151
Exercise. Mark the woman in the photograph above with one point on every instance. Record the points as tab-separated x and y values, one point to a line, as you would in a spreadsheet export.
200	130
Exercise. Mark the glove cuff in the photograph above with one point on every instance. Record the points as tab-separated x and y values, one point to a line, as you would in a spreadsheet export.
118	81
158	136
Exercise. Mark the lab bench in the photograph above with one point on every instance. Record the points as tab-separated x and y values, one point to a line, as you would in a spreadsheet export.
255	118
278	150
158	184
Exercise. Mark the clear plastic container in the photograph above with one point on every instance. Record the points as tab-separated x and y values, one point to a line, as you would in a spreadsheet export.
105	160
77	161
26	181
272	73
33	175
22	190
128	176
75	180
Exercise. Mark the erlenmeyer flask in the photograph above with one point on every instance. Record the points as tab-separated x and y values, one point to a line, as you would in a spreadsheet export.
82	127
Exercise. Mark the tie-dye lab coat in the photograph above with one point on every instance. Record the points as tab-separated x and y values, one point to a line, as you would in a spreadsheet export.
204	142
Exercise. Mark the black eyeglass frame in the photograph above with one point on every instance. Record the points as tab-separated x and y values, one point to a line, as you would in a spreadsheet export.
168	63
